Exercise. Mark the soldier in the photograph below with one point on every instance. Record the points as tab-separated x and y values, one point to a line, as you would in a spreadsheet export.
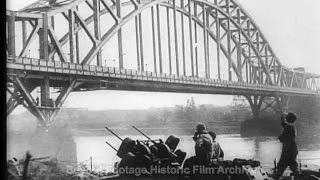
289	147
203	146
217	151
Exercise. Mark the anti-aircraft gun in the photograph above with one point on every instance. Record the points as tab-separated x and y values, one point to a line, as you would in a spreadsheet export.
144	154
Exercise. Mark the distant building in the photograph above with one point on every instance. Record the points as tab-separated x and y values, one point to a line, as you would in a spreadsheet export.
299	69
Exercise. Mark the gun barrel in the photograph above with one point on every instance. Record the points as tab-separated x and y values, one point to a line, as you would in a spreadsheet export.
114	134
171	153
141	133
112	146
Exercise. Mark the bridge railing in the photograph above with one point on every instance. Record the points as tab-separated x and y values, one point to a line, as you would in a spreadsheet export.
33	64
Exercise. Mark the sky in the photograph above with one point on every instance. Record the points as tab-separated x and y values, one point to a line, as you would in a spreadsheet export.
291	26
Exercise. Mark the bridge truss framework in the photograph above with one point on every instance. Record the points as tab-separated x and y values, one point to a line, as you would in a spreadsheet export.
180	64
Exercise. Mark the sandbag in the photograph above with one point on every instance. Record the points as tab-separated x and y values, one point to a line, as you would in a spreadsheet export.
190	163
243	162
255	173
223	163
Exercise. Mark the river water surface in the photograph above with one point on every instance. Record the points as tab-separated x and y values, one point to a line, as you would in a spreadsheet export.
264	149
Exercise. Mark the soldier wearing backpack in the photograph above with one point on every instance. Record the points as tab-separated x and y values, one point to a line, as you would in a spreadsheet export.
217	152
203	144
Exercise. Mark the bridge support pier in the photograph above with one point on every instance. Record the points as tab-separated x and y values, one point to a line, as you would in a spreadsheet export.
263	104
255	103
46	109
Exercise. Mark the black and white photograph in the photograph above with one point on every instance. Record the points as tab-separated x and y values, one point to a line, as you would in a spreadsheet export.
162	89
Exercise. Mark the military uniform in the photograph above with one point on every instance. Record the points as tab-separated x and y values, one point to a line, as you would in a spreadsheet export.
289	147
217	151
203	146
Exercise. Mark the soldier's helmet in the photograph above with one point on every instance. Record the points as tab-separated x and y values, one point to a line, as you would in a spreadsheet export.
291	118
201	127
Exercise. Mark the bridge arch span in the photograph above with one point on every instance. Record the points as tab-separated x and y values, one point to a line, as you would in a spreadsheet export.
216	37
255	49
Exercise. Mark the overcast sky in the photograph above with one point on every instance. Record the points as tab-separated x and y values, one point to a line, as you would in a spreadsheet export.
292	28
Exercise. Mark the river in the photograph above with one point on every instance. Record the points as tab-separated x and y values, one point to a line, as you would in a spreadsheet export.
264	149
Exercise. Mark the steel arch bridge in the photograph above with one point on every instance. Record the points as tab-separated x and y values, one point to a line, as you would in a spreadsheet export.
191	46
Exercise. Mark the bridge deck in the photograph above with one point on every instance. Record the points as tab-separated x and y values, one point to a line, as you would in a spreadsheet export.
127	79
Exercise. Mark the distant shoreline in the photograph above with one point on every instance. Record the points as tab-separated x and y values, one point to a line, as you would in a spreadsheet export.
98	132
149	131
